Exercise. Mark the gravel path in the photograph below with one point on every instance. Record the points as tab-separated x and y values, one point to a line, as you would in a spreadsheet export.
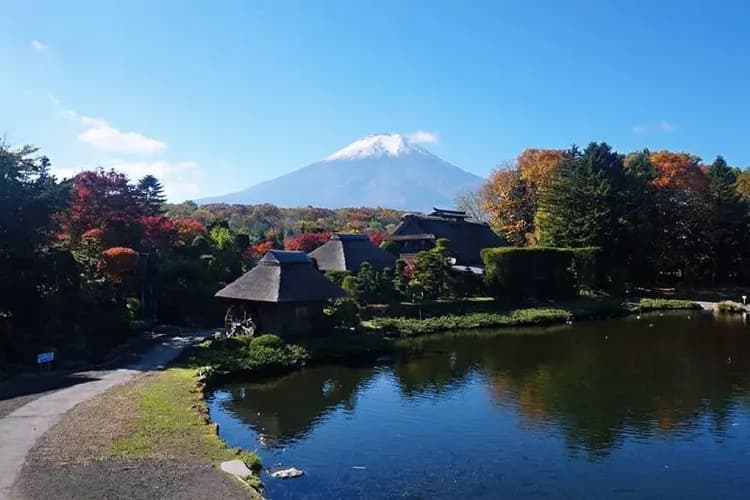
131	479
21	427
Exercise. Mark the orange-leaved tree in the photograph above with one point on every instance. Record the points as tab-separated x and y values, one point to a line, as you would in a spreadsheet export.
539	166
120	263
510	201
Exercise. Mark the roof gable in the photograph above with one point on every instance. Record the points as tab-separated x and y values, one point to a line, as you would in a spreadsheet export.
347	252
282	276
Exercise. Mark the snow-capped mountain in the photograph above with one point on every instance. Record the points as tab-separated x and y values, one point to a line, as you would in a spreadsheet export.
384	170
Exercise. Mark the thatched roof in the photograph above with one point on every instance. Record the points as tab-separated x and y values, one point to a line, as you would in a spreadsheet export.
282	276
467	238
346	252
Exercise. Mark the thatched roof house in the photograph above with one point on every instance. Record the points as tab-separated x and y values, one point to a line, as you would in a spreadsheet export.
284	294
467	238
346	252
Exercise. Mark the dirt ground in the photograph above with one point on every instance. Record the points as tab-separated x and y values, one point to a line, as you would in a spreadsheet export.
75	459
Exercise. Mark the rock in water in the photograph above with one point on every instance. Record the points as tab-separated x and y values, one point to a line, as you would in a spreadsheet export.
289	473
236	467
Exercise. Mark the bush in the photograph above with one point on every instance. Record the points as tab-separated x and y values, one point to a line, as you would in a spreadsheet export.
337	276
522	273
244	353
344	312
267	340
134	307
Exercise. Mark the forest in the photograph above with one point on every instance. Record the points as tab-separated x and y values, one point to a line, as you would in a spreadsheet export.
85	260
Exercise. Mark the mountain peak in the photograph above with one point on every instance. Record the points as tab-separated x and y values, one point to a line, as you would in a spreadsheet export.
376	146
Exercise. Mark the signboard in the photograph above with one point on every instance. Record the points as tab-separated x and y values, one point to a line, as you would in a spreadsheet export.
45	357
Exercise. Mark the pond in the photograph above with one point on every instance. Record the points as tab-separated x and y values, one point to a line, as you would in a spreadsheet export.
648	407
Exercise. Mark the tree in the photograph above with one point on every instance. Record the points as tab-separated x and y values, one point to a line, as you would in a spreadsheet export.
307	242
151	193
683	243
729	220
639	231
471	203
159	233
539	166
511	204
29	258
432	271
400	279
107	201
120	264
578	205
743	183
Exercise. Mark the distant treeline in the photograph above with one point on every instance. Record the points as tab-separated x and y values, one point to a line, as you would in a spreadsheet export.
267	222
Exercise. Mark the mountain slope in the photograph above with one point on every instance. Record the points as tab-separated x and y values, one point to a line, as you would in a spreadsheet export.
378	170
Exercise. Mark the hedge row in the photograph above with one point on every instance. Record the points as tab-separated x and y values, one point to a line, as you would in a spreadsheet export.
541	273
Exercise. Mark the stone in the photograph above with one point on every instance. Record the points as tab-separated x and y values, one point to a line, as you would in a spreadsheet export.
237	468
289	473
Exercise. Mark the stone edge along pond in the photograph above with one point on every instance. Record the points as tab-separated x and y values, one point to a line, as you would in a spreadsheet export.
219	360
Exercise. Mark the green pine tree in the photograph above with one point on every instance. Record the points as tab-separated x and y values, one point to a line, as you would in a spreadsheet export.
152	194
728	220
580	206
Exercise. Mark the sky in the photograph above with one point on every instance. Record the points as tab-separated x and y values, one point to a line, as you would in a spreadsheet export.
212	97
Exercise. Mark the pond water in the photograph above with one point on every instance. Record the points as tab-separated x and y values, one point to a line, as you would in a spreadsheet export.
656	407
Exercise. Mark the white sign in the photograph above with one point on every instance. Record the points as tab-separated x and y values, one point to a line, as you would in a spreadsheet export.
45	357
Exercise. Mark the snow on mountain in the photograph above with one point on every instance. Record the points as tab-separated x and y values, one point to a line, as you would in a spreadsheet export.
384	170
377	145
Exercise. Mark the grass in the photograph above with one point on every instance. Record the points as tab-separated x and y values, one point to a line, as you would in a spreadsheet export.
558	313
171	421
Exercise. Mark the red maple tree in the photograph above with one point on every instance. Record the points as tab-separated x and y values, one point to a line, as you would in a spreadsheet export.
306	242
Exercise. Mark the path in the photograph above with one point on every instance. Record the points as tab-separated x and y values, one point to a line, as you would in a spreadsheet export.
711	306
20	429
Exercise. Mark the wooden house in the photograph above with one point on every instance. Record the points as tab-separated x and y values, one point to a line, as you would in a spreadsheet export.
284	295
347	252
467	237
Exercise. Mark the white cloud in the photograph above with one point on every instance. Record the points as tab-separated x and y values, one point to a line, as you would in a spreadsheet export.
101	134
654	128
38	46
162	169
423	137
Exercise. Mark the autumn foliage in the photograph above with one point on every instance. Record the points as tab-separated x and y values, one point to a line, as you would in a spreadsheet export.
159	233
680	171
257	251
105	200
538	166
306	242
510	201
119	263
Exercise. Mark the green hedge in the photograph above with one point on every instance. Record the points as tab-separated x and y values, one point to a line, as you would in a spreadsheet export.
541	273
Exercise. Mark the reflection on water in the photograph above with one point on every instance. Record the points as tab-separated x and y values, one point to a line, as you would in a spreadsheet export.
650	407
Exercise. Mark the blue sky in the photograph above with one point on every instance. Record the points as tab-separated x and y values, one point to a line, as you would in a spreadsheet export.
215	96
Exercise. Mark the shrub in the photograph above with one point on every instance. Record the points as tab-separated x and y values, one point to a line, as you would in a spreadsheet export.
134	307
350	284
522	273
344	312
248	353
337	276
267	340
